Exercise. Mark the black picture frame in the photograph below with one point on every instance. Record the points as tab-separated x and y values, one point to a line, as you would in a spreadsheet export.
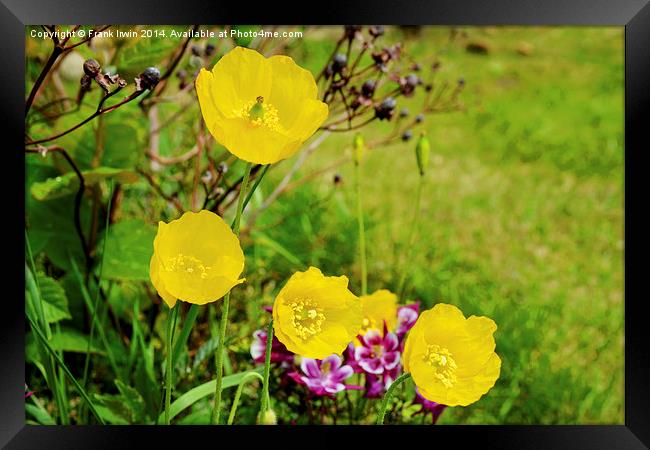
634	15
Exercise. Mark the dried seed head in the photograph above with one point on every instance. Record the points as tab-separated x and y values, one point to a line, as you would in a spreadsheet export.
386	109
148	79
368	88
339	62
92	67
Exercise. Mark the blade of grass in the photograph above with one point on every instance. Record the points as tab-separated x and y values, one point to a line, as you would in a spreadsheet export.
194	395
61	364
86	297
36	305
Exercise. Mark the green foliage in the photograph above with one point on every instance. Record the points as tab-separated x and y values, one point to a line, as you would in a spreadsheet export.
68	183
128	250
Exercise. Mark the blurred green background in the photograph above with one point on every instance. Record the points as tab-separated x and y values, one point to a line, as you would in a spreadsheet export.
522	217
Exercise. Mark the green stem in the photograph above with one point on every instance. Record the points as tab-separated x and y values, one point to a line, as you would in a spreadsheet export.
362	232
190	318
411	237
171	322
235	402
388	395
267	369
216	411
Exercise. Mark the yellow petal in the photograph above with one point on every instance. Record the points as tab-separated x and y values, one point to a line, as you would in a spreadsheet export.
157	283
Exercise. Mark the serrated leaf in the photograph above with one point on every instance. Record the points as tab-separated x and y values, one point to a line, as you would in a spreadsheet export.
68	183
128	250
55	302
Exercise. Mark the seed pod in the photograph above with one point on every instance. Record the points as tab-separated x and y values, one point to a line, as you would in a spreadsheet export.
358	148
408	134
422	150
148	79
404	112
368	88
92	67
339	63
419	118
386	109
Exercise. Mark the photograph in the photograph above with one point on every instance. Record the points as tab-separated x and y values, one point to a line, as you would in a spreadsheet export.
324	225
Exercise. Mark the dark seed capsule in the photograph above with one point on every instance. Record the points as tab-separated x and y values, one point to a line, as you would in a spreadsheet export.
337	179
408	134
413	80
368	88
222	167
351	31
91	67
209	49
196	50
386	109
461	82
416	67
376	30
404	112
428	87
419	118
150	77
339	63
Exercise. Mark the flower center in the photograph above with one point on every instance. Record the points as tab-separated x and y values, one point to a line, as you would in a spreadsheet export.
307	317
377	351
443	364
325	368
189	265
260	113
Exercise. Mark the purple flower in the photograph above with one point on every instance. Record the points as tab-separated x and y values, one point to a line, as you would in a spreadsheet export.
377	354
428	407
279	353
406	317
376	385
324	377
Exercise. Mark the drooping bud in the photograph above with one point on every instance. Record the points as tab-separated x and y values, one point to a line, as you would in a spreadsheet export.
422	150
268	418
257	110
358	148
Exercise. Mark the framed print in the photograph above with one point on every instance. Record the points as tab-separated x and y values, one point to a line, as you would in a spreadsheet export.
428	223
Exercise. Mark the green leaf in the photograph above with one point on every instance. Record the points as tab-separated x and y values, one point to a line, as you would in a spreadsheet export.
112	409
55	302
67	340
128	250
68	183
133	401
40	414
194	395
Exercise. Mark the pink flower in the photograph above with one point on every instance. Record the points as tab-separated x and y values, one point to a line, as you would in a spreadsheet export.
428	407
377	354
406	317
279	353
324	377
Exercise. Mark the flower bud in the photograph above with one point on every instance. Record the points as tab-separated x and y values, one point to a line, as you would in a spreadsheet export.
422	149
268	418
358	148
91	67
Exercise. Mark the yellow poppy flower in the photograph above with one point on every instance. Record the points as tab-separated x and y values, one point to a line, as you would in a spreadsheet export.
315	316
376	308
451	358
196	259
260	109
